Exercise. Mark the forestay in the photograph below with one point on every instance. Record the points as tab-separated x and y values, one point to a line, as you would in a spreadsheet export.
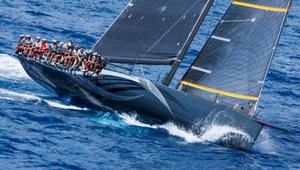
232	67
152	32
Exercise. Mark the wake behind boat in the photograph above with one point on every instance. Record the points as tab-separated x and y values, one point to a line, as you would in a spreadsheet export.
222	86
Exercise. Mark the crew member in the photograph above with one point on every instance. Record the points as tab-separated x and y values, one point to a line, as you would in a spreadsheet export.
53	49
36	47
22	39
20	46
43	49
28	40
59	56
28	45
79	57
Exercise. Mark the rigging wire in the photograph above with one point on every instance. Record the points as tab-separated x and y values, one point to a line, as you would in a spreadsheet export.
164	34
177	21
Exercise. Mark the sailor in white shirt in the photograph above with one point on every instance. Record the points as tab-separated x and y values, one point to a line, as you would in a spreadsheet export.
37	43
22	39
28	40
68	46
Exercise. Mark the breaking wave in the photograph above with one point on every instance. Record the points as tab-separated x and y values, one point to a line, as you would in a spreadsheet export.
15	96
221	132
132	120
11	68
170	127
18	96
213	133
63	106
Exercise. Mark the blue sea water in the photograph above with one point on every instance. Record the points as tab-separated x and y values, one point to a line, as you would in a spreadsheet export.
40	131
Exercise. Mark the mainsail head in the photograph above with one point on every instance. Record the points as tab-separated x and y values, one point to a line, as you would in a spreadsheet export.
152	32
232	67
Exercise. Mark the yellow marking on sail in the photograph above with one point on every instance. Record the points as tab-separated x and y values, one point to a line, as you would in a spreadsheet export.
220	92
268	8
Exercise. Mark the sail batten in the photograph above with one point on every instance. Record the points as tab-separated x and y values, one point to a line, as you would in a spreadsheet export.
146	28
238	54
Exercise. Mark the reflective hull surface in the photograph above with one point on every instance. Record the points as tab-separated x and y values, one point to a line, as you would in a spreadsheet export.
129	93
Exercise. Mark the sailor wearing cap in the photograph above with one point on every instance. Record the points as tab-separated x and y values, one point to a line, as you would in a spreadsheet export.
28	40
53	46
95	54
53	49
20	46
22	39
76	50
37	43
61	43
68	46
44	46
33	50
89	52
60	47
89	55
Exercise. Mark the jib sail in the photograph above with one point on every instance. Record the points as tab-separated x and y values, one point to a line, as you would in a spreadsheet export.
152	32
232	67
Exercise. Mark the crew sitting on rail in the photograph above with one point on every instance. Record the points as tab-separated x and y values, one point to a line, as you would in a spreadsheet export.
68	46
25	44
43	50
61	53
36	47
28	40
20	46
53	50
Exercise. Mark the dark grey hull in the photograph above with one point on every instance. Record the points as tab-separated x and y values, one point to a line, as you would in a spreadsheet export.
129	93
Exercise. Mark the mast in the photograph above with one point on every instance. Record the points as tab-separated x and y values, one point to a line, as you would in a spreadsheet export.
168	78
231	68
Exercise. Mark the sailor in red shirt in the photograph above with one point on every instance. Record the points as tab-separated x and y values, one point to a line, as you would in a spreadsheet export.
44	46
43	49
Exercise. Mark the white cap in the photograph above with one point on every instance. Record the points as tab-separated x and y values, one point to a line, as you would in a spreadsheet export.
22	35
95	53
28	36
38	38
69	44
44	39
54	41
